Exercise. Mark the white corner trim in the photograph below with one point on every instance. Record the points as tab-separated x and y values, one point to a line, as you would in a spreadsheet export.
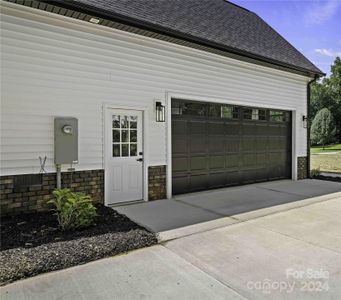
168	105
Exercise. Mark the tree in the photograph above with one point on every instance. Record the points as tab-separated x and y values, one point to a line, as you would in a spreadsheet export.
327	94
323	128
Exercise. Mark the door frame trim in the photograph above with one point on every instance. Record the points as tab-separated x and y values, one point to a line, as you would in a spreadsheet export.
183	96
145	148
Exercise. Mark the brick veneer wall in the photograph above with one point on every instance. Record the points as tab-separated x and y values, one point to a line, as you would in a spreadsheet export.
33	198
157	182
302	165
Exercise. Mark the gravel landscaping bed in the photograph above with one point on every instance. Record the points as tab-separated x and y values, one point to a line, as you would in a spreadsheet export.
32	244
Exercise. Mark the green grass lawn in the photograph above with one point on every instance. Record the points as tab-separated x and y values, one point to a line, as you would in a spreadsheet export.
329	148
328	159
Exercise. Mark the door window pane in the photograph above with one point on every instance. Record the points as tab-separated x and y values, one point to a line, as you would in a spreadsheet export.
133	122
116	136
124	122
116	121
116	150
125	134
133	149
133	136
125	149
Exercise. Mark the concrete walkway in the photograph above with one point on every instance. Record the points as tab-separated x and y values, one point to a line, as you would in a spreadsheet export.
189	209
268	257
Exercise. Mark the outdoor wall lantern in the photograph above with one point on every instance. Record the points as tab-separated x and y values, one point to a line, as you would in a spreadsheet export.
160	112
304	121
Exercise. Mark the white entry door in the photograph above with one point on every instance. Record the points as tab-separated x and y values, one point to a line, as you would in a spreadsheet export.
124	157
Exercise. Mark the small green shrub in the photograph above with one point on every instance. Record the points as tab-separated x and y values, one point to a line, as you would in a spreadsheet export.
315	172
73	210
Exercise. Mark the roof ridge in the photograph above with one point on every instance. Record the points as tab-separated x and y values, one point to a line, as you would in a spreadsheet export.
229	2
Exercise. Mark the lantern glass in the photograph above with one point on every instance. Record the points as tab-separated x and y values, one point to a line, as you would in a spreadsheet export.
160	112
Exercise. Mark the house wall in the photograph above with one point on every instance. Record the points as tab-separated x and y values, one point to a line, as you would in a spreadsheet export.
57	66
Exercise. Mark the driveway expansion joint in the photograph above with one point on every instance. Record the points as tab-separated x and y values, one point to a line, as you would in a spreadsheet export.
209	274
278	191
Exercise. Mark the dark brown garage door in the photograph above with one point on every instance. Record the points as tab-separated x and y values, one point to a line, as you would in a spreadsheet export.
217	145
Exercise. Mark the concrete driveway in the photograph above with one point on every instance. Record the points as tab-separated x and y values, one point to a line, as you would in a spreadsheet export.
292	254
195	208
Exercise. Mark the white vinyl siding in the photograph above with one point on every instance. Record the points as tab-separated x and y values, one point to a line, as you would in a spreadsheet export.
57	66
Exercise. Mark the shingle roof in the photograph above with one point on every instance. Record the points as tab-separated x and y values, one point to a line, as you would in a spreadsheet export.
216	23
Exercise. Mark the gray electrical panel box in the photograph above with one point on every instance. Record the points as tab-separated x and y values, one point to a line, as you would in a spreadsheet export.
65	140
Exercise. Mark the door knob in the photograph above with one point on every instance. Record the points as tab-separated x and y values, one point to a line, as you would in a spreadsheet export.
140	159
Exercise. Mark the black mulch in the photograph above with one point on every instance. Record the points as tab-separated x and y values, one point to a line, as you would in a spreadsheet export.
32	243
328	178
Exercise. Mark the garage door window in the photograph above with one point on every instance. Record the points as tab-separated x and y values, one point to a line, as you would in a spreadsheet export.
229	112
194	109
188	108
223	111
279	116
254	114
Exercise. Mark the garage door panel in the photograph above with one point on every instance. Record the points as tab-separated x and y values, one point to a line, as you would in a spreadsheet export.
216	128
232	129
179	126
216	144
249	176
179	145
233	178
261	144
262	159
249	160
275	130
232	160
180	164
217	179
198	127
198	182
274	143
180	184
224	148
262	130
198	163
217	162
248	143
249	129
198	144
232	144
